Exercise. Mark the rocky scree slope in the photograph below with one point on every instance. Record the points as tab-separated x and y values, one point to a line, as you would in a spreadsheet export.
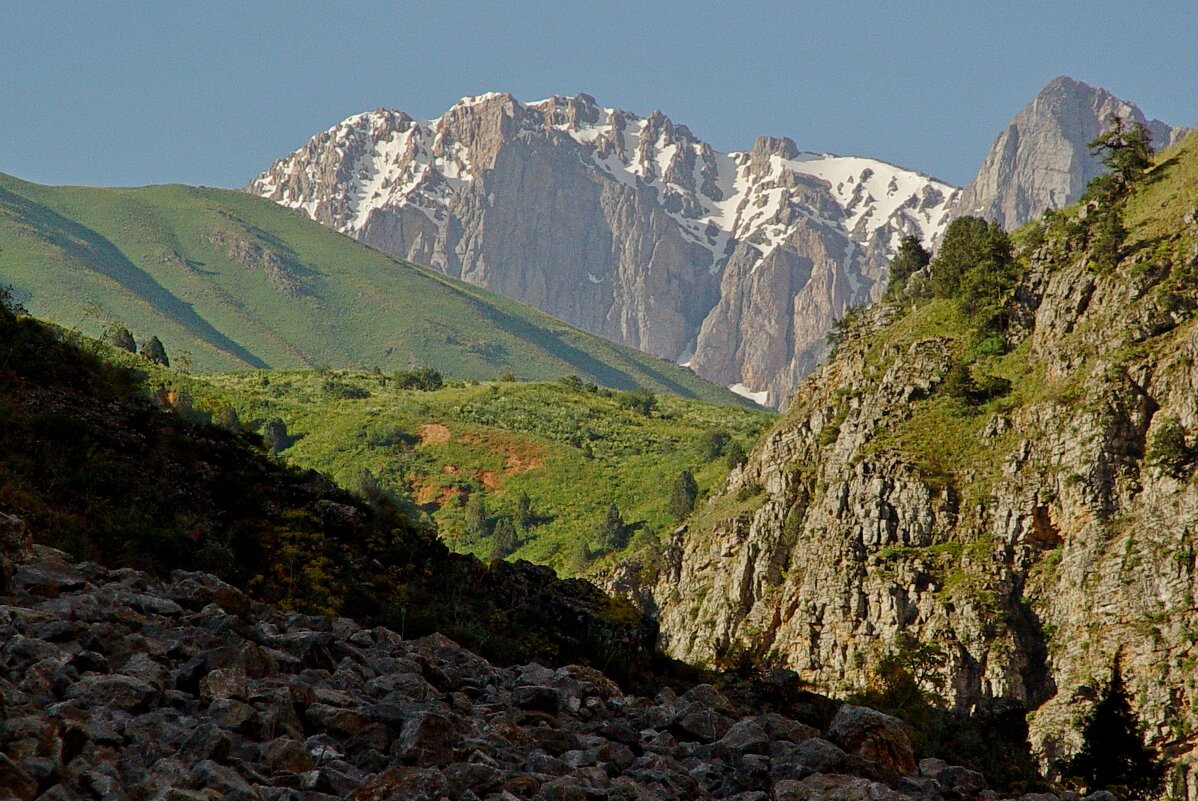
117	685
1036	538
735	264
1040	161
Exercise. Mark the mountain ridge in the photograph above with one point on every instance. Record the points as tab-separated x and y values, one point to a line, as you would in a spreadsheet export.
628	226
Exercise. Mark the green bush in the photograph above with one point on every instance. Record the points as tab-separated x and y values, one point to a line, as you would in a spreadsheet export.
712	443
639	400
1168	449
735	455
342	390
960	384
425	379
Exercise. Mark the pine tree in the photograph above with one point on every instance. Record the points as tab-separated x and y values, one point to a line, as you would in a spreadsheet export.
1125	150
274	434
683	495
504	541
910	258
524	515
478	520
153	351
1114	755
612	535
120	337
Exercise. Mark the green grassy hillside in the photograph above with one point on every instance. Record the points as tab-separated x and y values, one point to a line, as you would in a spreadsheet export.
231	281
573	449
90	465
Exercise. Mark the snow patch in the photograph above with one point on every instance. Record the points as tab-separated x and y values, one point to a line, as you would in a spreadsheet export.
759	398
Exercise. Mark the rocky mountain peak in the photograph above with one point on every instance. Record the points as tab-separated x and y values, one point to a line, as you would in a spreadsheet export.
1041	160
628	226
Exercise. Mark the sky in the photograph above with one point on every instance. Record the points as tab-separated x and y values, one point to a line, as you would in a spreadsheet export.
212	92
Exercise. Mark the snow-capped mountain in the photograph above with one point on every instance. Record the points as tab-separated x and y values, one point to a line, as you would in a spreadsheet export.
735	264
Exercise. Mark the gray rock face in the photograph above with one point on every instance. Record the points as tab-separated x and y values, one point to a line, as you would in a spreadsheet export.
1040	161
1035	545
735	264
185	699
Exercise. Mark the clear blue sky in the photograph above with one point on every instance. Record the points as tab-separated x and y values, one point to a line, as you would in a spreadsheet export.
212	92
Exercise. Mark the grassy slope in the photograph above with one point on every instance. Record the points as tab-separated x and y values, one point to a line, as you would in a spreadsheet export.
573	451
235	281
941	437
91	466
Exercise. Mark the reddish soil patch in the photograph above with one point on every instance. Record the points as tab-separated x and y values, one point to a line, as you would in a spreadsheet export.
519	456
488	478
434	434
450	469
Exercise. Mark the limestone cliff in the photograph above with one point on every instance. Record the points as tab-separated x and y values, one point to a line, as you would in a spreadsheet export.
1035	538
1040	161
735	264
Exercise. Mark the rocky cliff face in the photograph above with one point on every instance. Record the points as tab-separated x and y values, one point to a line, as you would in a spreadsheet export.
735	264
1040	161
1036	539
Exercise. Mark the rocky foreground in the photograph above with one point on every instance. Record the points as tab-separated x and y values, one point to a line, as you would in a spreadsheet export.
115	685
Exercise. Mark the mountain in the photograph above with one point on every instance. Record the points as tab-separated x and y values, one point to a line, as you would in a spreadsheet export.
1040	161
230	281
1007	478
631	227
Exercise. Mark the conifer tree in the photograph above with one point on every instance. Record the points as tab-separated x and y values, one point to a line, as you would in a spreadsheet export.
1126	150
153	351
683	495
1113	755
612	534
120	337
910	258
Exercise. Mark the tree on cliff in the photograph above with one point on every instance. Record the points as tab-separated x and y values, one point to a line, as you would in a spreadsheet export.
1113	755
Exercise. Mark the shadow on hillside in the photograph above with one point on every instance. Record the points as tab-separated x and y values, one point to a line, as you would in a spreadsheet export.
97	253
554	343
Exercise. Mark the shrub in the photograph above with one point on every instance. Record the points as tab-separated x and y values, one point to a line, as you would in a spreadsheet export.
639	400
340	389
750	490
1168	449
734	455
712	443
424	379
9	305
842	329
960	384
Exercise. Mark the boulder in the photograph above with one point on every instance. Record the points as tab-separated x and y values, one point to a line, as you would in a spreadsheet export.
874	735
